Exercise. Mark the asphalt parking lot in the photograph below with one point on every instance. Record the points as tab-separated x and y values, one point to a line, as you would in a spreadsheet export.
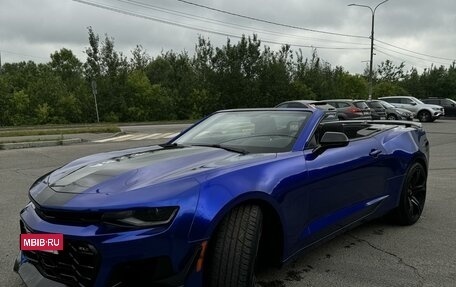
375	254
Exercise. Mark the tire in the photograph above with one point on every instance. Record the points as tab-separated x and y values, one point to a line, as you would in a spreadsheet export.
234	248
341	118
413	196
424	116
391	117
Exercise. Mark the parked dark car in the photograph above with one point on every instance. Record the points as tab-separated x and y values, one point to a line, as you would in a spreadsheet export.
351	109
378	112
394	113
331	112
449	105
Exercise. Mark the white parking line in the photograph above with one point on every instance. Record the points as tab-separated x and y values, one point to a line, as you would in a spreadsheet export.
126	137
143	137
138	137
171	136
111	139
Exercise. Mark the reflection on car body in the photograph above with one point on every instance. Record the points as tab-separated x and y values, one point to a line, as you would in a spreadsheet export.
350	109
331	112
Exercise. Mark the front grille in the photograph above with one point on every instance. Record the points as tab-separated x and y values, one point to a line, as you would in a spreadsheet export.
58	216
75	265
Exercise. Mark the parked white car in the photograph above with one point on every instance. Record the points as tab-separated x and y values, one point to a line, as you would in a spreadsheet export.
424	112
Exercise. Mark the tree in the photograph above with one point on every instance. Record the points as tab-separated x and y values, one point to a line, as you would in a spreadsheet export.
174	72
386	89
140	58
5	101
66	65
109	70
20	109
175	86
92	64
389	72
78	96
413	84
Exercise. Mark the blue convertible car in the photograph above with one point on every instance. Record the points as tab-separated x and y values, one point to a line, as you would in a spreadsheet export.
238	189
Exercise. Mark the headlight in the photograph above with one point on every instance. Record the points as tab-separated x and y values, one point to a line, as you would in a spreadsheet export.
402	113
436	109
144	217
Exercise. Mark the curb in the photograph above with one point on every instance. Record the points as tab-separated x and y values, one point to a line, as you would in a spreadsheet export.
18	145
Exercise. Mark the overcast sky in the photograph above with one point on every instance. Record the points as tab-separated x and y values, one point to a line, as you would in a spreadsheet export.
33	29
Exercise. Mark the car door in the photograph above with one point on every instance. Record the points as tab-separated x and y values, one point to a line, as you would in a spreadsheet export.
410	105
342	183
394	101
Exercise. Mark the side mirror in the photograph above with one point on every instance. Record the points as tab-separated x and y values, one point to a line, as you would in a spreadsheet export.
331	140
413	103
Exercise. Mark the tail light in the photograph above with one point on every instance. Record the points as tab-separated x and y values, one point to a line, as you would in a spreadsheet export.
355	110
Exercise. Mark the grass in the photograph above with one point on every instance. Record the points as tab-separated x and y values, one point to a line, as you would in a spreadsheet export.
41	130
57	130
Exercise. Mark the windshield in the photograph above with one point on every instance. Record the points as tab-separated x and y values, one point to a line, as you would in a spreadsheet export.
375	105
387	105
361	105
250	131
417	101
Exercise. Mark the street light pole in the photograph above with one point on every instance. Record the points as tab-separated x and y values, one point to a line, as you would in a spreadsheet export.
372	43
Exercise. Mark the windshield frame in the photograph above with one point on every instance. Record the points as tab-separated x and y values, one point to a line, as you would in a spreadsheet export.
387	105
416	100
285	142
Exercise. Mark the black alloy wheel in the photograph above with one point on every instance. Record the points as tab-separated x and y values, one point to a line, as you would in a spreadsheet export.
391	117
413	196
424	116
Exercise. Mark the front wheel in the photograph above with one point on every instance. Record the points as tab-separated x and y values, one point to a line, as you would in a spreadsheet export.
392	117
234	248
413	196
424	116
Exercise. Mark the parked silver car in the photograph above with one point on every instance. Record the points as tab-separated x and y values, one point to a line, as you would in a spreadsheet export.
424	112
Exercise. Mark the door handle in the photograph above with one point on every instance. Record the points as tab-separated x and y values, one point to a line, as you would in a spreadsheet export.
375	152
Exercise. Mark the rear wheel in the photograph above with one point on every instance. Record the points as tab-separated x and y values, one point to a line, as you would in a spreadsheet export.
234	248
424	116
413	196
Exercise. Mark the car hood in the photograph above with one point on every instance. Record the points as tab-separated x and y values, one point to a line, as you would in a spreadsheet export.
132	169
129	177
403	110
434	106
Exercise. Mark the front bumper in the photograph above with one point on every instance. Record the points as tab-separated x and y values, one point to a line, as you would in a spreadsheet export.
31	276
154	257
436	115
406	117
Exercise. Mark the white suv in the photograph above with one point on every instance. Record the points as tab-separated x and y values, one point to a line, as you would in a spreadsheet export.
424	112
